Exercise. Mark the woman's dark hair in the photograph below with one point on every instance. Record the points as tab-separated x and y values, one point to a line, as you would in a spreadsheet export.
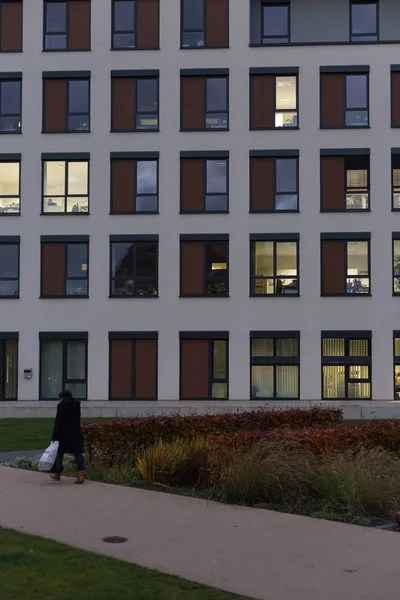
64	394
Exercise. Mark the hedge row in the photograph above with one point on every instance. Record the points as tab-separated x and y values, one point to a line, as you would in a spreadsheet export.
318	440
116	440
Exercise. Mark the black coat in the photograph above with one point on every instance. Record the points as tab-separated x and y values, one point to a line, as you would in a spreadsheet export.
67	426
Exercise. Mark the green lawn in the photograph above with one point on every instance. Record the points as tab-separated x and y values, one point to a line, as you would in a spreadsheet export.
28	434
32	568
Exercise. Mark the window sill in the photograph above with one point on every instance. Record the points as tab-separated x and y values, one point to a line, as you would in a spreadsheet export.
11	214
275	399
11	51
274	295
132	212
11	132
132	399
152	296
65	214
343	127
186	399
10	297
219	296
345	211
204	212
204	47
220	130
58	399
274	128
134	49
65	131
67	50
346	295
134	130
64	297
342	43
273	212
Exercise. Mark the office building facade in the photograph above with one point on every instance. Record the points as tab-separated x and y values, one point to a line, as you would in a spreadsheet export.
199	202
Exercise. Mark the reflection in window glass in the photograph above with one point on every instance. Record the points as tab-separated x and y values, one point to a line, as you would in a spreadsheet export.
77	270
357	101
63	365
364	21
10	106
276	24
10	369
286	197
9	188
216	103
76	360
146	173
9	270
147	104
134	269
51	367
193	23
124	24
396	182
286	102
358	268
216	185
55	25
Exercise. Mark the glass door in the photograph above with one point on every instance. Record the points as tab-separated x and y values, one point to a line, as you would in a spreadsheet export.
8	369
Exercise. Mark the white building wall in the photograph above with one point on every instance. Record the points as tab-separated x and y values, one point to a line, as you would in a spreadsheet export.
168	314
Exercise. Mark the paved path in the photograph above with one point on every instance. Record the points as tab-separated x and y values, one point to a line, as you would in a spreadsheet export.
258	553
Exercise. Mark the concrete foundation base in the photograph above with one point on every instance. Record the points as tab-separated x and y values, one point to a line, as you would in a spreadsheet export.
351	410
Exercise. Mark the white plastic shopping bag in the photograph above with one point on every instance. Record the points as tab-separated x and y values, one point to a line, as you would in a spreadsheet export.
48	457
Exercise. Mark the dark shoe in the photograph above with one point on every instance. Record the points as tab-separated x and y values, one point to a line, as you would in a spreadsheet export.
81	477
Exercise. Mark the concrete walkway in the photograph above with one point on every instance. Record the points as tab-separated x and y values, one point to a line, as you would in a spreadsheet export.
257	553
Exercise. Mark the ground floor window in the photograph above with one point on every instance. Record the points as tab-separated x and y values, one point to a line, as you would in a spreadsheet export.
63	364
396	364
8	368
346	365
204	365
275	364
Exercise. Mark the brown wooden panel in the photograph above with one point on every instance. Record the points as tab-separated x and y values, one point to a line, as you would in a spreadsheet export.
262	101
123	104
262	173
122	185
55	105
192	268
146	369
332	100
333	257
121	368
217	23
193	103
195	368
396	99
11	26
193	184
53	269
147	24
79	25
333	182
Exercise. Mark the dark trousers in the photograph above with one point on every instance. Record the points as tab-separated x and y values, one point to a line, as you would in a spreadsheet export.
80	462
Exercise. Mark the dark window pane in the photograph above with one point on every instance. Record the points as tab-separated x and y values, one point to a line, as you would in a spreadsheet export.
146	177
10	97
219	359
146	260
147	95
216	203
276	21
193	39
124	16
286	175
56	42
124	40
146	204
78	101
77	260
77	287
216	176
216	94
363	19
76	360
56	17
193	14
286	202
8	260
9	287
287	347
356	91
122	260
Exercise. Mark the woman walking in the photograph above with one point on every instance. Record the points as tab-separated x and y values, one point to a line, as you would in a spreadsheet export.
68	433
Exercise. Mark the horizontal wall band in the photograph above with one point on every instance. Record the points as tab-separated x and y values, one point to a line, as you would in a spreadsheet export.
133	335
64	239
345	69
271	237
10	239
65	155
346	235
63	335
204	72
11	75
274	70
345	152
66	74
203	335
134	238
274	334
135	155
356	334
4	157
9	335
136	73
205	154
273	153
204	237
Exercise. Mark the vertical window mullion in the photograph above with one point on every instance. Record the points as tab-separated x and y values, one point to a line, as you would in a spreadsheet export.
66	175
133	366
65	267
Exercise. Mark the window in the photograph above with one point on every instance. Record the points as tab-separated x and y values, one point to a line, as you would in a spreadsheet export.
274	365
346	365
204	266
63	364
65	267
344	181
364	21
204	365
395	181
204	183
345	264
135	24
11	25
274	181
275	24
134	267
66	25
396	364
9	266
274	266
396	263
66	105
133	365
273	98
10	182
204	23
65	186
395	95
135	105
134	183
10	104
9	366
204	101
344	97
